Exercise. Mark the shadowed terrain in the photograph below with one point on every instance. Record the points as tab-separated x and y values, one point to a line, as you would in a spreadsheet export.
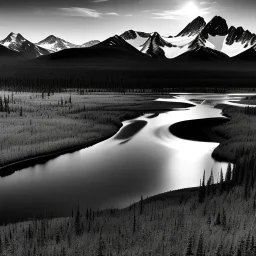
198	130
130	130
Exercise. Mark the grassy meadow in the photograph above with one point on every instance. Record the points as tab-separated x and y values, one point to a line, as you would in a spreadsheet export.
35	124
239	133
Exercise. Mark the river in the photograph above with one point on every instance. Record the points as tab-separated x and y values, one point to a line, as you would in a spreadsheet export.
115	173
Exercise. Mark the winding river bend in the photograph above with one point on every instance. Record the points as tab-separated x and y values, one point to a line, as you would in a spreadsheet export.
143	158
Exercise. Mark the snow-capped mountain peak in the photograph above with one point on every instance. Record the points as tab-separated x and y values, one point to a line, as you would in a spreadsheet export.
18	43
55	44
193	28
217	36
11	40
216	27
90	43
135	38
236	35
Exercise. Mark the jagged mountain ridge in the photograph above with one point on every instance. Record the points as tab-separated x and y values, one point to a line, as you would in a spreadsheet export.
90	43
231	41
55	44
135	38
203	53
193	28
18	43
113	48
196	36
215	35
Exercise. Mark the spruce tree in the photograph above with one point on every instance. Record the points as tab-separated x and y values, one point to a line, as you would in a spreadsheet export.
200	249
134	221
189	248
1	105
219	250
202	190
209	183
77	221
141	205
228	176
101	246
218	222
1	246
224	219
203	187
221	181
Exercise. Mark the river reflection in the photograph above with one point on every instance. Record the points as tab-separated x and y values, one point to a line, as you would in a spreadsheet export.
115	173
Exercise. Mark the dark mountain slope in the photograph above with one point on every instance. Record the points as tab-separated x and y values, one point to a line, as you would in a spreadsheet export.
193	28
202	53
17	42
248	55
112	48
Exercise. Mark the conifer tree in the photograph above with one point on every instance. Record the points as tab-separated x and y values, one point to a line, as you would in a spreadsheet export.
134	221
77	221
217	222
219	250
101	246
248	244
141	205
63	251
240	249
202	190
200	248
189	248
221	181
228	176
1	105
252	245
1	246
224	219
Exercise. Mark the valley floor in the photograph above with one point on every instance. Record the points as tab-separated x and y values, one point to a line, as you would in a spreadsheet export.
210	220
36	127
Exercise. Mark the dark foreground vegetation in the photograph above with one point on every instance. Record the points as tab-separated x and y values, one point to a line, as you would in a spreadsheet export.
126	75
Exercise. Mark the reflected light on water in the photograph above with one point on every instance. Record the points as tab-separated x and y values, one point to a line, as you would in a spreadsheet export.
114	173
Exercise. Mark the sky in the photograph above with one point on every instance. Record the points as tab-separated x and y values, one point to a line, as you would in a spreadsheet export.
79	21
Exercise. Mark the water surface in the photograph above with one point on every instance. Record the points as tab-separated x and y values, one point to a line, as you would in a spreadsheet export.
144	158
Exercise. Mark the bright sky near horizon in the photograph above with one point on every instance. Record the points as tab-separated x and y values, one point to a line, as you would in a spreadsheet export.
79	21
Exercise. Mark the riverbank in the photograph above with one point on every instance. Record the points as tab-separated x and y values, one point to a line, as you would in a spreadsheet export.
38	127
173	223
210	220
199	129
239	134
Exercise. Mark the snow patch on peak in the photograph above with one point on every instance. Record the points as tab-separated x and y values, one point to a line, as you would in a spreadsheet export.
135	38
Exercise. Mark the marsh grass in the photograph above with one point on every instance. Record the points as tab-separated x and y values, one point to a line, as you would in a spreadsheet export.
239	134
36	124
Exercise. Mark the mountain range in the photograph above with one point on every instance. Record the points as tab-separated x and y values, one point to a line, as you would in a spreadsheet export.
51	44
197	41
